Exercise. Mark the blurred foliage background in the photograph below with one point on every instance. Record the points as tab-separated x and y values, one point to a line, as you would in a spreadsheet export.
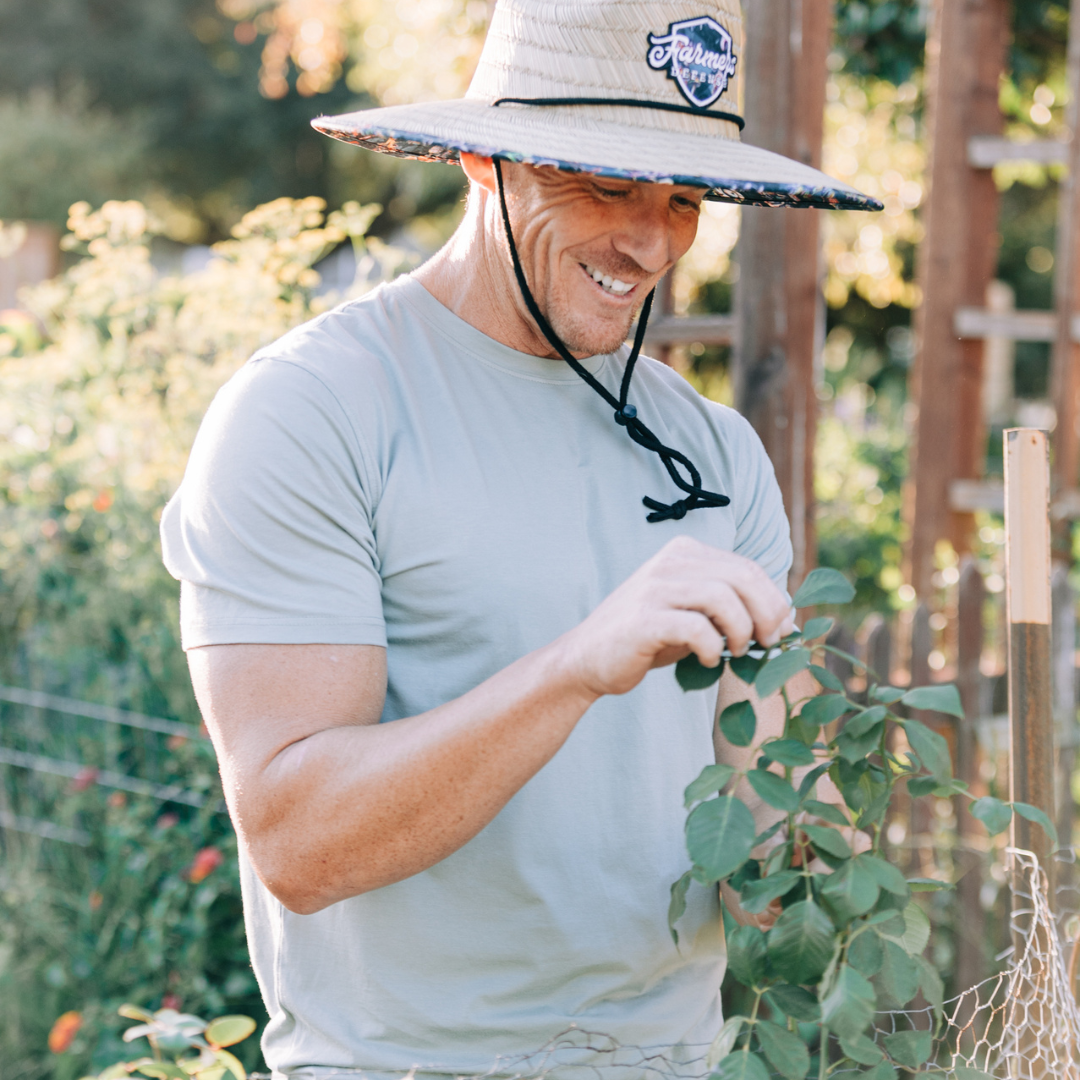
149	131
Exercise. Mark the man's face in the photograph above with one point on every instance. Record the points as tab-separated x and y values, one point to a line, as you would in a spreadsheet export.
593	248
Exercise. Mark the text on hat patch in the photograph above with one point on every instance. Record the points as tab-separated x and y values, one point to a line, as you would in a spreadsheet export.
699	55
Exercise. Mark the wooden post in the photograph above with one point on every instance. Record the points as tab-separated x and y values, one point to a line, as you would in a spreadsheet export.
1027	576
970	920
779	300
1065	373
1063	666
918	811
965	58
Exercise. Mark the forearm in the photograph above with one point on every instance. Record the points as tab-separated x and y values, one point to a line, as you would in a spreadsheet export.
353	808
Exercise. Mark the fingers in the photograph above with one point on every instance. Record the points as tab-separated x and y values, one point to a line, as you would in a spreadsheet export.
692	630
736	594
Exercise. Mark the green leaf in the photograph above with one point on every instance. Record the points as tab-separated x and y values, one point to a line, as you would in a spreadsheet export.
720	836
930	982
886	694
925	884
849	1006
816	628
916	930
882	1071
788	752
827	812
854	748
738	723
849	892
825	708
747	958
692	674
228	1030
931	747
885	874
862	722
921	785
756	896
862	1050
133	1012
899	975
708	783
824	586
231	1063
780	669
909	1048
724	1041
824	838
826	678
677	907
741	1065
775	790
795	1002
769	833
942	697
786	1052
993	813
801	943
866	954
806	787
746	667
162	1070
1034	814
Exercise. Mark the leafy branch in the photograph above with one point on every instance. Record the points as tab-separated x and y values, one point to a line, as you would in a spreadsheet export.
848	939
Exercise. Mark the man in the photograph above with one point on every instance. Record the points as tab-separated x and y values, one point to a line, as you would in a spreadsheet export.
430	624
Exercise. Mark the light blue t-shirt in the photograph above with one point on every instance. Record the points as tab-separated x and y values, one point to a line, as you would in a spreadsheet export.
388	475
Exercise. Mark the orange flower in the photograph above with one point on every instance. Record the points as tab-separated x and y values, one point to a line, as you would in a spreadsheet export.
64	1031
204	864
95	899
103	501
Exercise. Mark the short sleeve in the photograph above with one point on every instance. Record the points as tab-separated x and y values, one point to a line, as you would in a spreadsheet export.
763	532
270	532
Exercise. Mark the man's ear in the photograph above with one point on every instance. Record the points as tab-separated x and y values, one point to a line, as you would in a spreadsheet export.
479	170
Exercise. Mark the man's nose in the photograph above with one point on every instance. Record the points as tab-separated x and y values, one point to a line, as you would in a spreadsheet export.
646	238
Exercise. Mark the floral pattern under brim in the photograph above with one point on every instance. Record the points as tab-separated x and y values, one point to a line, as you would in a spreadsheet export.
749	192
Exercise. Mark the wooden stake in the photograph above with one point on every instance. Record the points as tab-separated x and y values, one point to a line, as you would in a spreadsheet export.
971	921
1027	573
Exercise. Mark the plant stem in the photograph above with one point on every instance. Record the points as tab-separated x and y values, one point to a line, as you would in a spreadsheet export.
823	1054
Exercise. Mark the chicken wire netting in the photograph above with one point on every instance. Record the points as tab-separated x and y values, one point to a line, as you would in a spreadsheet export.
1021	1024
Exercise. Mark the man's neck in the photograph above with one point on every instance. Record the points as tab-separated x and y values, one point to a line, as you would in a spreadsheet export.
472	275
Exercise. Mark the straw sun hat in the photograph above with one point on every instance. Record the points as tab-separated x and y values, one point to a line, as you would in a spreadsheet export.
638	89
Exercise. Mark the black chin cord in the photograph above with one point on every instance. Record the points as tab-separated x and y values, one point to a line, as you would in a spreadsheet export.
625	415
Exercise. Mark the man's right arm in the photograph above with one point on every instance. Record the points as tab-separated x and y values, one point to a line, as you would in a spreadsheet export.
330	803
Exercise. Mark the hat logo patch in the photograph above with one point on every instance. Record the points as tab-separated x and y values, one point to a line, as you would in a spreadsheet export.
699	55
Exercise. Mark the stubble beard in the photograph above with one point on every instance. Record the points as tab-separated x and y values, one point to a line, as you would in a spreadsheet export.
584	336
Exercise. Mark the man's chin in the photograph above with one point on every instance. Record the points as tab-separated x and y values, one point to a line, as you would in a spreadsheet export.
592	337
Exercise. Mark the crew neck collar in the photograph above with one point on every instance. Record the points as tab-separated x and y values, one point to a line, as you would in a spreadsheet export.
489	351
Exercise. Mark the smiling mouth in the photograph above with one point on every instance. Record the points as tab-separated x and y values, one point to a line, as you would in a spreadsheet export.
612	286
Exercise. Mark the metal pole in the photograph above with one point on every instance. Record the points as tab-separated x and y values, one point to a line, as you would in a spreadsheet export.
1027	569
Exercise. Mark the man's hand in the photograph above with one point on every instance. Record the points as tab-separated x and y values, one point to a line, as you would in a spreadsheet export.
688	598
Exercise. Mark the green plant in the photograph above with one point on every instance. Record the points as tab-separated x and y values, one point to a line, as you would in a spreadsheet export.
173	1034
848	938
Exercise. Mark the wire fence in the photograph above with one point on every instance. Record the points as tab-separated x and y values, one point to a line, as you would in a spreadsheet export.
51	746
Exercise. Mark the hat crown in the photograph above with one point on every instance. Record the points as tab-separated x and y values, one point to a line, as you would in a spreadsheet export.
684	53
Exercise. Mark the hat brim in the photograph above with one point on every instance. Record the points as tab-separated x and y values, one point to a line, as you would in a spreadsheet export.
567	138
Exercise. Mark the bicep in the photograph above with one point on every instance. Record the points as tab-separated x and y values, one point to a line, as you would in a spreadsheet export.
257	700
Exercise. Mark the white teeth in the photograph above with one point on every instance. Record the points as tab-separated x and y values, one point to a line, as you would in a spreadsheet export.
606	281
